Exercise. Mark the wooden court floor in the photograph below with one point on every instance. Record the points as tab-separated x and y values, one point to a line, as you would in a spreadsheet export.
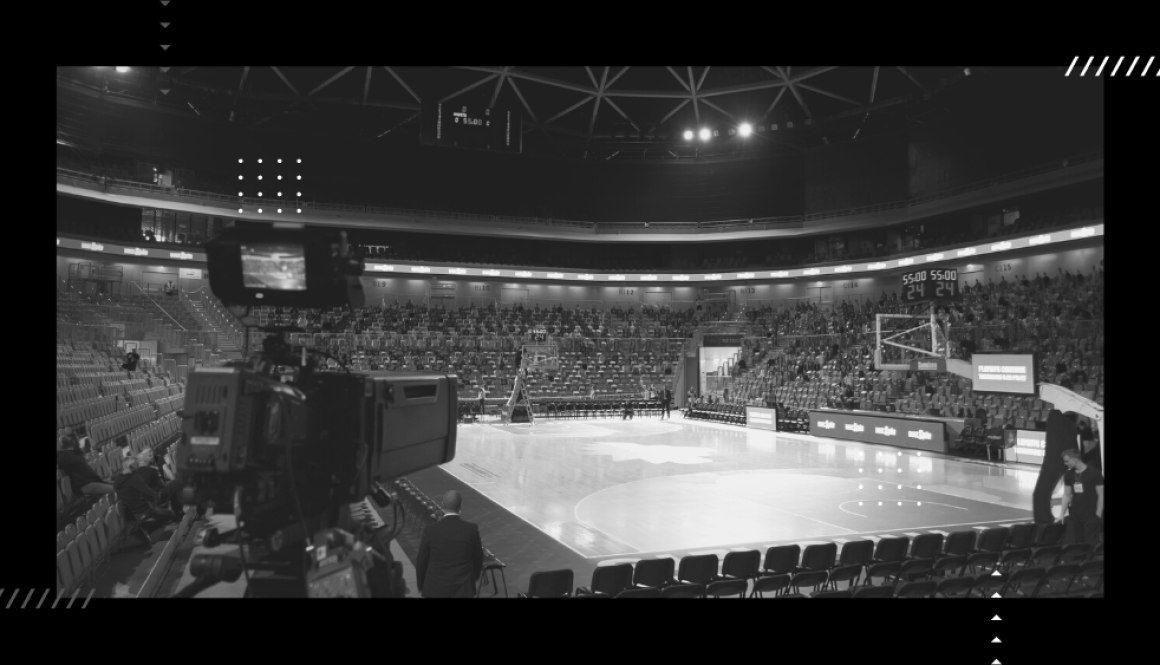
612	490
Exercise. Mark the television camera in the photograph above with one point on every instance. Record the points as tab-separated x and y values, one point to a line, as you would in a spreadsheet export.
299	455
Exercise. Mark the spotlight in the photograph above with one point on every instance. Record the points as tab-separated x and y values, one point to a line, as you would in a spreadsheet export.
239	209
279	194
241	160
299	177
122	70
300	210
259	193
299	194
688	135
259	210
239	177
259	161
259	177
279	177
279	161
300	161
705	134
280	210
241	194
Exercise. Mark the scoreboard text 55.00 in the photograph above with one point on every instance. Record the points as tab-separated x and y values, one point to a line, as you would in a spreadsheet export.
938	284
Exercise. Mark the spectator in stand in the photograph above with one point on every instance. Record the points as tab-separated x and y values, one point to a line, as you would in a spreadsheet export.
71	460
153	475
131	360
138	497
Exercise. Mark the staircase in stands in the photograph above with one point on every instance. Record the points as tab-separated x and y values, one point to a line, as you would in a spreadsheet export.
226	347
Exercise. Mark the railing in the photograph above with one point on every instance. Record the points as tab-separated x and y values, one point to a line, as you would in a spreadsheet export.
762	223
506	343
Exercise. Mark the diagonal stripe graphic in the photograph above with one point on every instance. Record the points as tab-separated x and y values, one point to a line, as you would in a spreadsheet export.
1145	72
1089	64
27	598
10	601
1117	67
1134	61
1101	69
1072	66
42	599
73	599
88	598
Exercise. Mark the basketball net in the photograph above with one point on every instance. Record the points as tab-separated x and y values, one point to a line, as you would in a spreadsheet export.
535	357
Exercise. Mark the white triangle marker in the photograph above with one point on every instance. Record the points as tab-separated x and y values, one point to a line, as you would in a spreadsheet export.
165	91
996	662
996	618
996	641
165	25
996	595
165	3
164	69
165	47
996	574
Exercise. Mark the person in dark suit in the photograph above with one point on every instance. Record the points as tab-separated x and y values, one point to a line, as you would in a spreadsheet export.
667	401
450	556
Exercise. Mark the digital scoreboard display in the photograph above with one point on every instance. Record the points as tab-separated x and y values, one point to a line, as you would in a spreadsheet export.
472	126
930	285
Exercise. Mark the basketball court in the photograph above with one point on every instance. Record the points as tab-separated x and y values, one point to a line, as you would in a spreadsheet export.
613	490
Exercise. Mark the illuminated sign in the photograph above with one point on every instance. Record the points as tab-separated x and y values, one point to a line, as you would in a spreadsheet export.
556	275
457	271
136	251
1039	240
58	241
745	275
1000	246
616	278
584	277
920	434
93	246
1030	446
1004	373
935	257
649	278
712	276
180	255
379	267
523	273
681	278
876	266
491	273
1083	233
843	268
757	417
811	271
780	273
966	252
420	269
905	262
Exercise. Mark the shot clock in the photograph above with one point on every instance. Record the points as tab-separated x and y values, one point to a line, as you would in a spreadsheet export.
930	285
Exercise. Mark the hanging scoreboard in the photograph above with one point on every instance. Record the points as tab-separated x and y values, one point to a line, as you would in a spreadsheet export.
470	126
930	285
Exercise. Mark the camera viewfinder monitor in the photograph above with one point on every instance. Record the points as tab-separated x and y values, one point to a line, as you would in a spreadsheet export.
273	267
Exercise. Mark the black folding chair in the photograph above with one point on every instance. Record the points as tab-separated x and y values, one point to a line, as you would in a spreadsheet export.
683	591
608	580
550	584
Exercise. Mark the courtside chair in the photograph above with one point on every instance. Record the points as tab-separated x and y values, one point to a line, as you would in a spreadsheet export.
1097	553
987	585
948	567
1075	553
781	559
959	543
955	587
724	588
915	570
920	589
992	540
608	581
776	584
855	554
1021	536
873	592
1050	535
683	591
698	569
643	592
982	562
550	584
1089	578
812	579
1023	583
841	593
926	546
744	566
818	557
1044	557
654	572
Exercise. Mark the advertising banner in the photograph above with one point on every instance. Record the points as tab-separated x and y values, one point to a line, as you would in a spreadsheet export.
1029	446
1003	373
929	365
759	417
904	432
722	340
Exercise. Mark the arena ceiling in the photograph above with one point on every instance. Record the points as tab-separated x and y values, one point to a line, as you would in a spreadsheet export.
591	111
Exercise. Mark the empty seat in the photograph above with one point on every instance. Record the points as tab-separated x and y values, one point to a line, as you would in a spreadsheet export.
775	584
609	580
683	591
781	559
697	569
644	592
955	587
722	588
1023	583
654	572
874	592
550	584
920	589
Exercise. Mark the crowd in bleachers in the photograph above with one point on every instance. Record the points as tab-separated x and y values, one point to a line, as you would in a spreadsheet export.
115	476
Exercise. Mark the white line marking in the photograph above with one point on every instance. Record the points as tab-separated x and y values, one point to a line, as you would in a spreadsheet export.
27	598
1101	69
1134	61
1145	72
14	595
42	599
1117	67
1072	66
1085	67
88	598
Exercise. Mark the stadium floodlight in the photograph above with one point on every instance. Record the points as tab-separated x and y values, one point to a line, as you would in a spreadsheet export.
299	177
241	161
300	161
299	194
259	177
688	135
279	210
745	129
241	194
259	193
239	177
300	210
259	210
279	194
239	209
279	177
122	70
279	161
259	161
705	134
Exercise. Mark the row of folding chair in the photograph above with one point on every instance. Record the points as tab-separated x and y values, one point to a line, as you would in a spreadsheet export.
86	544
110	427
91	409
